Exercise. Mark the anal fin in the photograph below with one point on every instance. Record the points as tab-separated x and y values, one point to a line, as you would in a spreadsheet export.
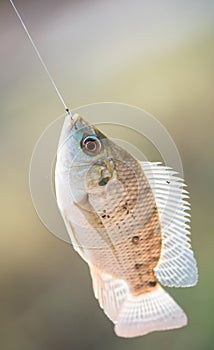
110	292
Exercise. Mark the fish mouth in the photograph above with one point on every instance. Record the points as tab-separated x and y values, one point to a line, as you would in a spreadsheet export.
74	118
77	122
71	123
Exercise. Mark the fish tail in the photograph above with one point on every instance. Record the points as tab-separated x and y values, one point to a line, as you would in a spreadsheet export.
148	312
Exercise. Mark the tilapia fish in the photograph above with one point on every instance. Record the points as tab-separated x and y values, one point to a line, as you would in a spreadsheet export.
128	220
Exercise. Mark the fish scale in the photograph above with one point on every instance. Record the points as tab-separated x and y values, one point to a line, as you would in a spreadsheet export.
138	270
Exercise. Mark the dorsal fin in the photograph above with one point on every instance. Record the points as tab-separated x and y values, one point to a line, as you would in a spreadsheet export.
177	266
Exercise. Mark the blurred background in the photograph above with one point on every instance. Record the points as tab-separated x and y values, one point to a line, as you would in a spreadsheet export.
157	55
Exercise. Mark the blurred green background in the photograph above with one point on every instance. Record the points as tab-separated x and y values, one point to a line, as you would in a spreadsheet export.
158	55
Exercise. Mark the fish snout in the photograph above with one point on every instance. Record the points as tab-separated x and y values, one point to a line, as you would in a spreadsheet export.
77	122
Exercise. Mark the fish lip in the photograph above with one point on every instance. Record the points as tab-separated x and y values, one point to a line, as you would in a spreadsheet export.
70	122
77	122
74	118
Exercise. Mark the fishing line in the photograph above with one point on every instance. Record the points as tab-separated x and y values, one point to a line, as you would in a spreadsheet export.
40	57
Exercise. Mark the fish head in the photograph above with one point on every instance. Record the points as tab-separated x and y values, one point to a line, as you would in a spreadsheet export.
86	156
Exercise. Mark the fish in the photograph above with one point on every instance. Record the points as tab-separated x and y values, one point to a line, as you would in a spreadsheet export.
129	221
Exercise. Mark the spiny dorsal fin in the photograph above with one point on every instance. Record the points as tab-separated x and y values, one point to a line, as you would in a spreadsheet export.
177	266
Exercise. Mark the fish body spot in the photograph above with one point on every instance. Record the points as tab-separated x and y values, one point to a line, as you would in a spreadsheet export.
147	189
138	286
152	283
135	239
138	266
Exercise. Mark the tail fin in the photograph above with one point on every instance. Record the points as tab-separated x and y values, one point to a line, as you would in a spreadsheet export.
145	313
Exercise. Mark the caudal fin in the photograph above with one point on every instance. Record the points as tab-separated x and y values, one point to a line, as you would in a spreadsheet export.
145	313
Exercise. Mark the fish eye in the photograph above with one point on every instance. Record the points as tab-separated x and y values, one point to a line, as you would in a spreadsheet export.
91	145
